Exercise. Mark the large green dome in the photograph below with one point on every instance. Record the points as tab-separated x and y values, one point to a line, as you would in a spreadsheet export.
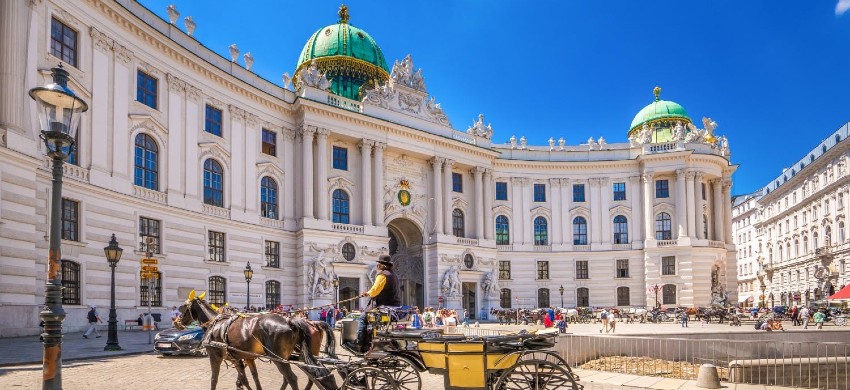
348	56
659	110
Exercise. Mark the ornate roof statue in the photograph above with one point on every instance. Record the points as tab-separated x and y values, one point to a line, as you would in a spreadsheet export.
478	128
313	77
403	74
405	93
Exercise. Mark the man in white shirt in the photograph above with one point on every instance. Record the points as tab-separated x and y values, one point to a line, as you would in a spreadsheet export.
804	316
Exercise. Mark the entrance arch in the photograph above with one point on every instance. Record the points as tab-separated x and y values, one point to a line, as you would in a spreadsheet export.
405	246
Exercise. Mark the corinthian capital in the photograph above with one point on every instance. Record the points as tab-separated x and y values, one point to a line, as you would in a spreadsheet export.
100	40
175	84
307	130
437	161
323	132
647	177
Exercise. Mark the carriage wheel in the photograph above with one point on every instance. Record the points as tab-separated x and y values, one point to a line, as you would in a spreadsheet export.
536	374
368	378
406	377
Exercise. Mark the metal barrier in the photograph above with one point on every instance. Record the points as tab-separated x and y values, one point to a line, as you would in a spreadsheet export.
823	365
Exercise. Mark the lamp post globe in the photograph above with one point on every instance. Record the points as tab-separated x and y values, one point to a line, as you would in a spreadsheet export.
249	274
113	255
59	111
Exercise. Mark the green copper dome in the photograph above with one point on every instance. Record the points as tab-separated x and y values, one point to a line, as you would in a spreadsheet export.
659	110
348	56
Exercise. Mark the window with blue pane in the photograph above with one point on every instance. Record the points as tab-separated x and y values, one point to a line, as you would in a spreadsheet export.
579	231
540	192
578	192
269	143
541	231
340	158
621	230
663	229
458	225
213	183
662	188
340	207
145	163
503	230
268	198
146	87
63	42
501	190
212	121
457	182
619	191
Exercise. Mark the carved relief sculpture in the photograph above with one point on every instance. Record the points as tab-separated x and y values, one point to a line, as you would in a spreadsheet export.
451	282
313	77
478	128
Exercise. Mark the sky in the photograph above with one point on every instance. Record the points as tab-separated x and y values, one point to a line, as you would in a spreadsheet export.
774	75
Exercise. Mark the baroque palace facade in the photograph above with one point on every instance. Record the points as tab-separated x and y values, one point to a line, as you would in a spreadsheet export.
792	234
309	183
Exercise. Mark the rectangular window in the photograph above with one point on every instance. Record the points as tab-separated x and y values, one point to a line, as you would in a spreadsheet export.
582	270
619	191
146	87
70	282
623	298
504	270
149	235
542	270
668	265
63	42
457	182
340	158
272	294
70	220
662	189
272	254
269	145
578	192
540	192
702	187
623	268
156	291
216	246
212	121
501	190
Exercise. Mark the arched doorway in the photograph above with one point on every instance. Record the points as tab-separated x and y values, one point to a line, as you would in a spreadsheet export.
405	246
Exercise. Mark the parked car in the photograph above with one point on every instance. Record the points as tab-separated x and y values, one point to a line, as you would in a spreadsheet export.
352	316
174	341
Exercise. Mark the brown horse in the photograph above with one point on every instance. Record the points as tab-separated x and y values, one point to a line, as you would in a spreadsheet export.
248	337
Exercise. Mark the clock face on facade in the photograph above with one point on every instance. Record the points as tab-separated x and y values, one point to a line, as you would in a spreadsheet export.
468	261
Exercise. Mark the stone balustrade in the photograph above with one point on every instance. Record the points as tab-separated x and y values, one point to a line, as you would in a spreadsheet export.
151	195
347	228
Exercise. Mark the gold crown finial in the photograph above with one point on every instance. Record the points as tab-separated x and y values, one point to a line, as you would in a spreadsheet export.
657	92
343	14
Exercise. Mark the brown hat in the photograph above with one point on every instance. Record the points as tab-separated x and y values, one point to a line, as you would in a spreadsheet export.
385	260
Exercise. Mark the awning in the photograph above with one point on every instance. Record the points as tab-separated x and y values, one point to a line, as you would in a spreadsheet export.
745	298
844	293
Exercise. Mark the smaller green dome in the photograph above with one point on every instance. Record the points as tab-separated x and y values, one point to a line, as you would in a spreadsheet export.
658	110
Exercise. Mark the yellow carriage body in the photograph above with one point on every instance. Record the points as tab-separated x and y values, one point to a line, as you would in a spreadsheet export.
465	362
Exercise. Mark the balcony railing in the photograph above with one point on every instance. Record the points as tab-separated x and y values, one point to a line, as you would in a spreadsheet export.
144	193
344	227
216	211
621	247
717	244
275	223
467	241
505	248
581	248
667	242
543	248
345	104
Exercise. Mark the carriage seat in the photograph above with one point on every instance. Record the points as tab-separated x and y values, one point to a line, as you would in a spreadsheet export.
415	334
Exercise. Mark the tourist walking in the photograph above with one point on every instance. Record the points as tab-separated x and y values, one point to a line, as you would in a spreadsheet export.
94	319
795	316
603	316
612	321
684	319
819	317
804	317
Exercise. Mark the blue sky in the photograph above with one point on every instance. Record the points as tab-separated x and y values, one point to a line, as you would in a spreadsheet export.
775	75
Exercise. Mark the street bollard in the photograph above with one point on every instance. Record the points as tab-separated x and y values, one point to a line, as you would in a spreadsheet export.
708	377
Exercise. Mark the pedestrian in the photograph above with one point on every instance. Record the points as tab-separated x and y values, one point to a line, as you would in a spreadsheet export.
330	316
603	316
795	316
819	316
612	322
417	320
804	316
174	313
323	315
685	318
94	319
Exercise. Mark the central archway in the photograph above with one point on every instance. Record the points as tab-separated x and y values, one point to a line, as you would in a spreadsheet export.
405	247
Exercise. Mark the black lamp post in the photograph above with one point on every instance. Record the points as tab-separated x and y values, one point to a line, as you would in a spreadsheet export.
656	288
772	304
561	290
249	273
763	288
335	282
59	111
113	254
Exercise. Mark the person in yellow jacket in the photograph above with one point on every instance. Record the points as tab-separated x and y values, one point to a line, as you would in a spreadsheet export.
384	292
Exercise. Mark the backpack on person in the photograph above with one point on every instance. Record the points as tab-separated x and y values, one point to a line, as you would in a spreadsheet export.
427	316
604	315
758	324
91	316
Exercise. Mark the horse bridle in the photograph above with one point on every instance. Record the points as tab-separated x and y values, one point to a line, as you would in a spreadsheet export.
179	322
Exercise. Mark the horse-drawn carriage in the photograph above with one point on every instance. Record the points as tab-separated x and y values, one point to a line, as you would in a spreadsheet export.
395	358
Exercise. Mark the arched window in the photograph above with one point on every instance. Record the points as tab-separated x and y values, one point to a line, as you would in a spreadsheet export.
788	251
669	294
146	163
268	198
217	292
662	227
579	231
621	230
503	231
272	294
796	248
541	231
340	207
70	283
582	297
815	240
213	183
827	236
623	296
841	233
155	291
457	223
805	245
505	298
542	297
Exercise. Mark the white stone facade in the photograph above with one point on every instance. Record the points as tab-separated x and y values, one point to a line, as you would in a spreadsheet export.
402	154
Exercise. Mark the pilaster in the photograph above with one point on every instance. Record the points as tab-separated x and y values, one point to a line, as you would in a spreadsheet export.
648	197
557	214
437	212
176	149
718	209
700	206
99	109
489	233
378	187
447	196
691	203
681	212
478	176
366	177
307	134
321	184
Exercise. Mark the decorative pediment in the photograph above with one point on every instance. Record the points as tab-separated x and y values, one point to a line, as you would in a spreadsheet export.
541	211
213	149
269	169
580	210
620	210
341	182
151	125
503	209
460	203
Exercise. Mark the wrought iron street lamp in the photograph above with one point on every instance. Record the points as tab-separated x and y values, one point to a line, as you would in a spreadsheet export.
772	303
763	288
561	290
113	254
656	288
249	273
335	282
59	111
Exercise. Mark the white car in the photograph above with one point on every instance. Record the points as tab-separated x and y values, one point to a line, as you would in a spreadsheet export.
352	316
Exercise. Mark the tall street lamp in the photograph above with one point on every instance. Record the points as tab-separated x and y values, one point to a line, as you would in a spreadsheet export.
763	288
336	290
561	290
113	254
59	111
249	273
656	288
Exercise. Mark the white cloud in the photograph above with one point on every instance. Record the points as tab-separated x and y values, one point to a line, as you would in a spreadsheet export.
842	7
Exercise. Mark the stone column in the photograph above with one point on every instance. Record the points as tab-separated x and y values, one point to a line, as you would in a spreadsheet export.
605	221
176	115
518	234
99	114
691	203
648	215
378	181
15	18
120	103
595	212
527	227
366	180
700	206
193	170
726	199
681	203
478	178
566	220
447	196
237	144
437	211
288	157
634	195
321	184
557	214
718	209
307	133
489	232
